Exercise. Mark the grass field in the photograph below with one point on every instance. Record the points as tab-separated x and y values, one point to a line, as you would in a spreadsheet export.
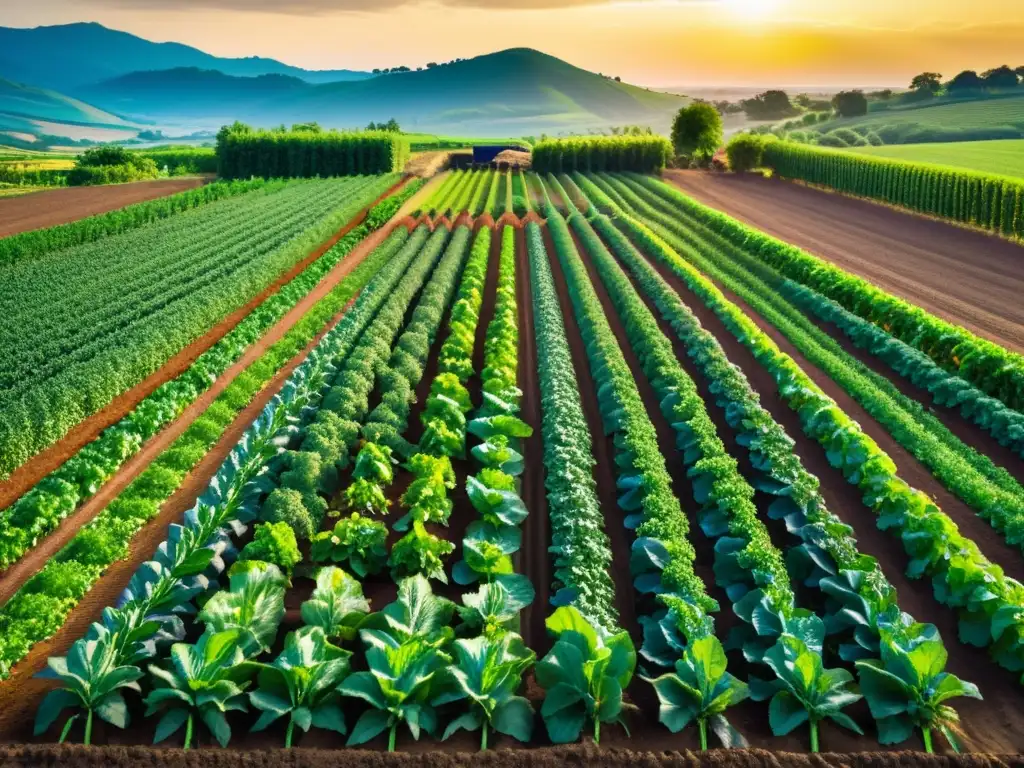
1004	157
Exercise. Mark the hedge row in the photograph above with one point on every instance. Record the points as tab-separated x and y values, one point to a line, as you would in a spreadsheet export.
304	154
645	154
983	200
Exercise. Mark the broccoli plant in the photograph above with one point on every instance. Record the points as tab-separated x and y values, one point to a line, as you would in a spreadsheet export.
207	679
92	680
273	543
804	691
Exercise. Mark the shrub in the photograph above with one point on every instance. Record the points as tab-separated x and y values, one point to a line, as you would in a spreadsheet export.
697	132
745	152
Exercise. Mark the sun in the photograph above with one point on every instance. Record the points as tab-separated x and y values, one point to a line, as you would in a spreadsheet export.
751	9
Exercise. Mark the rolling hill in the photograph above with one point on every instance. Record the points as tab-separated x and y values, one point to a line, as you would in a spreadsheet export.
996	117
511	92
69	57
1005	158
26	112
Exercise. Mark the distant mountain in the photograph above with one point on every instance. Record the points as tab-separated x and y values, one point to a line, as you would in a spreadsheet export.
27	112
69	57
511	92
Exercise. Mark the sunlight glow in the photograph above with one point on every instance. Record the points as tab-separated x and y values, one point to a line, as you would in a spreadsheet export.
751	10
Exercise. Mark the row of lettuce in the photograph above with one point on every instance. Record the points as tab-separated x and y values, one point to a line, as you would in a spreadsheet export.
786	638
39	608
141	297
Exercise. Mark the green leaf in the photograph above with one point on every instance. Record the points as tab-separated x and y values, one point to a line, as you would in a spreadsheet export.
53	704
514	717
785	713
371	724
169	724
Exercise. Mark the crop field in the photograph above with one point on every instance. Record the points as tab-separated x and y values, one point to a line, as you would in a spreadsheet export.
1005	158
529	459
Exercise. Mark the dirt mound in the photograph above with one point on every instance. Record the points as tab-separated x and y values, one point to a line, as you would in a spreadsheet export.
426	164
513	158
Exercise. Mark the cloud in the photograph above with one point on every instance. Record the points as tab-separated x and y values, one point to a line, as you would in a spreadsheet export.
328	7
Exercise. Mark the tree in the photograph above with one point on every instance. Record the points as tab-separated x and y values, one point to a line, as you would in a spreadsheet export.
392	126
697	132
1020	72
850	103
1000	77
431	64
770	105
927	82
968	80
313	127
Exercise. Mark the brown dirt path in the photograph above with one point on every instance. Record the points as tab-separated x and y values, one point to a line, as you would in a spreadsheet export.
994	724
534	559
47	460
966	277
61	206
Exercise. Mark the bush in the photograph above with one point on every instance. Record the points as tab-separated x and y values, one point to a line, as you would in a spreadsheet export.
745	152
643	154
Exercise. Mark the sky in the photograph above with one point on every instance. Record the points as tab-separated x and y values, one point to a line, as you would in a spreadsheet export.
660	43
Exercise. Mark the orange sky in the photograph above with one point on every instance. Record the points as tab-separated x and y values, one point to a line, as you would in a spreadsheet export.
652	42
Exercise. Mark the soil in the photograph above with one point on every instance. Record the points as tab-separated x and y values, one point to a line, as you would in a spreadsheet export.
47	460
534	559
578	755
994	724
427	164
60	206
967	277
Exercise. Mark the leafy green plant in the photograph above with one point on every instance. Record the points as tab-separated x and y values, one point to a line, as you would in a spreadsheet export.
908	687
273	543
337	605
302	683
254	604
420	551
207	679
356	541
426	498
92	680
487	671
404	650
583	675
494	609
701	689
804	691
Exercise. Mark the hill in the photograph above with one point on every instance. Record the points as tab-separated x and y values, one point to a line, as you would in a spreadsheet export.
69	57
26	112
998	117
511	92
1000	157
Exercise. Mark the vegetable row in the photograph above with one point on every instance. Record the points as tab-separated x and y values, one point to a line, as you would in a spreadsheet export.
124	318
